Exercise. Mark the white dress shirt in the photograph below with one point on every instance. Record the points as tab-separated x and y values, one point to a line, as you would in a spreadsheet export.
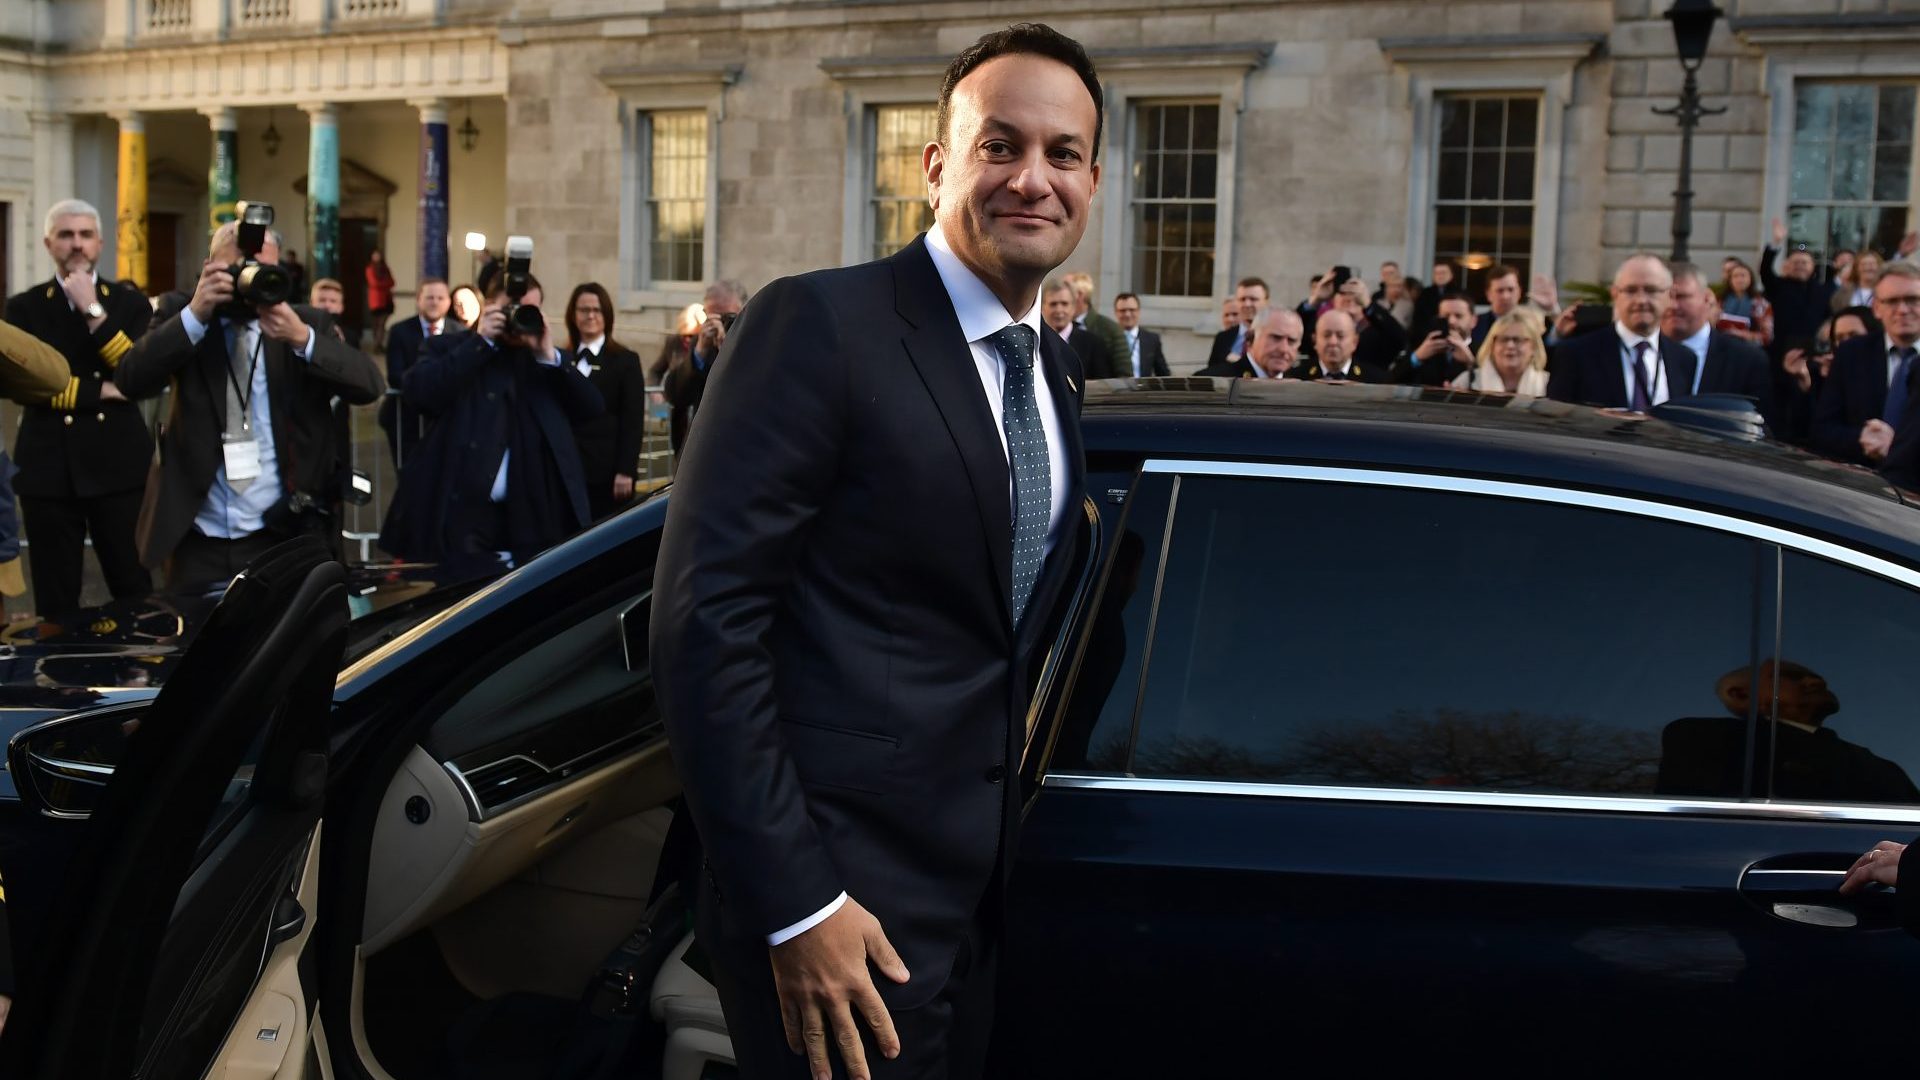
1133	349
1657	390
593	346
982	315
230	515
1697	345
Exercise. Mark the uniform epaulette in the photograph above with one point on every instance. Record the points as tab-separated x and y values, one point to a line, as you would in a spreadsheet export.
66	400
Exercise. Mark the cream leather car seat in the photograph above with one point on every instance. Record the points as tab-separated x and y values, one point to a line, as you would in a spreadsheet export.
688	1007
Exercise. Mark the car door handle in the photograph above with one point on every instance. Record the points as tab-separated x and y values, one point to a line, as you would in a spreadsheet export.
289	919
1805	889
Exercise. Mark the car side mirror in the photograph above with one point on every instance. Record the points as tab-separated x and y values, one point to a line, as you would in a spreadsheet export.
633	633
61	766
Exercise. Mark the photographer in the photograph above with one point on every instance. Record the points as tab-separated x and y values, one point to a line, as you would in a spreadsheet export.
686	377
1381	339
248	453
1446	351
498	476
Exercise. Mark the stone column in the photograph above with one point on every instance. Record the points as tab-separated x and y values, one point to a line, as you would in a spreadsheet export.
52	181
130	235
223	169
433	187
323	191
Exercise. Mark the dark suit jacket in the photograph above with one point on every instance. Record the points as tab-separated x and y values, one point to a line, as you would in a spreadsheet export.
77	446
1087	346
465	386
1112	361
406	341
1733	366
1238	369
684	386
1357	371
610	442
1586	371
299	395
1705	756
1153	358
1855	392
833	644
1223	345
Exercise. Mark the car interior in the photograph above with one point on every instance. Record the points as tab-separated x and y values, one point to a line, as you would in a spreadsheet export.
511	926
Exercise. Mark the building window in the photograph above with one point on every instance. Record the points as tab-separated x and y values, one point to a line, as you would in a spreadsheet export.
676	172
900	210
1175	197
1483	206
1852	165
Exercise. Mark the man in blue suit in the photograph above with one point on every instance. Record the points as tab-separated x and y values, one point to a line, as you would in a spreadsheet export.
1631	366
1872	379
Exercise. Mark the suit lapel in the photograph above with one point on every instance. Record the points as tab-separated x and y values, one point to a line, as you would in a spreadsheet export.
945	364
1680	362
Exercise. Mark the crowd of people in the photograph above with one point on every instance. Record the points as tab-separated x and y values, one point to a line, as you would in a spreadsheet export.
509	435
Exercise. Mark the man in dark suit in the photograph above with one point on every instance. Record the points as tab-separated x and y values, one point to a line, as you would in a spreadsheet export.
1632	367
497	479
248	459
1446	346
83	455
1114	360
1801	296
1503	296
1231	344
1874	379
1380	340
1145	358
686	379
1056	300
610	442
1334	346
1275	350
406	340
1724	364
868	531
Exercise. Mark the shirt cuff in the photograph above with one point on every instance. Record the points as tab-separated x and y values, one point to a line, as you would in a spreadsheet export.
306	351
781	937
699	364
555	360
194	327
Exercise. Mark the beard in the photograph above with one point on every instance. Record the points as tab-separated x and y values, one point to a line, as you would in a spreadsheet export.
77	263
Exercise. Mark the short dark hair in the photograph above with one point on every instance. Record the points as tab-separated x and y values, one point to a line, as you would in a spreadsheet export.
1135	297
1454	294
1025	39
1503	271
1253	282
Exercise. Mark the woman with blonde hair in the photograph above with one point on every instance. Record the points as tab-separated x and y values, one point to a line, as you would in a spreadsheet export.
1513	359
1856	288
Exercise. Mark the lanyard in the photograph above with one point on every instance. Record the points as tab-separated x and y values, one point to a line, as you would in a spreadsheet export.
245	394
1654	378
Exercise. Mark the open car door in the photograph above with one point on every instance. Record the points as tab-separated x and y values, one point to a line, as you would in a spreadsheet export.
174	948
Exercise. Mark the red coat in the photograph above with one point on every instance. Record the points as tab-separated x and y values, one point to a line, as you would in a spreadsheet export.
379	287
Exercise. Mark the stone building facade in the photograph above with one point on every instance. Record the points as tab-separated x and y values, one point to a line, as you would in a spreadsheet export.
656	144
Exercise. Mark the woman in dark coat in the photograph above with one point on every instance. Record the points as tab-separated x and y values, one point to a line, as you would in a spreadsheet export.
610	443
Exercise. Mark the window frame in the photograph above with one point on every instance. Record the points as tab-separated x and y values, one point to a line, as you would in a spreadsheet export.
869	170
1436	152
1909	203
1778	540
1133	145
643	91
648	210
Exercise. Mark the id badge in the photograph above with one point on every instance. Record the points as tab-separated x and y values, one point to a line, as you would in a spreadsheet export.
243	459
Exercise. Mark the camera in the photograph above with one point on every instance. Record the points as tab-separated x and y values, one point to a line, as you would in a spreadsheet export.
726	320
1341	275
521	318
256	284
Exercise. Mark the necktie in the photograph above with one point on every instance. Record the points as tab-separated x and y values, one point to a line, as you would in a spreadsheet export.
433	329
1900	391
1133	346
1642	390
1027	457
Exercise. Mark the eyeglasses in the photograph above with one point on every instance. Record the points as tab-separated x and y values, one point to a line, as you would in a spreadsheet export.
1910	302
1520	341
1639	290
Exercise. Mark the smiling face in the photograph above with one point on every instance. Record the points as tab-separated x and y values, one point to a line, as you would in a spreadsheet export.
1126	312
1012	185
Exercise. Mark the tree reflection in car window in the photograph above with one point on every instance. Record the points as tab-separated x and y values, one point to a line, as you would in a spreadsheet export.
1354	635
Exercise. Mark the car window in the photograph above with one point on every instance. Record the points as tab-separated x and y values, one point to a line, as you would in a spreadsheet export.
1354	635
1844	725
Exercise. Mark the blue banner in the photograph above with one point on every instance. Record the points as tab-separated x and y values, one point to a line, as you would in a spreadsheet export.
433	200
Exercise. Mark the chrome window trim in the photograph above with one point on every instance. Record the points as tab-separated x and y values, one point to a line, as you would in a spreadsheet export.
1540	492
1496	800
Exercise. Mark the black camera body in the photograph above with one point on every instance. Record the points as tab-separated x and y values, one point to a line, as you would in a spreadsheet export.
255	284
522	318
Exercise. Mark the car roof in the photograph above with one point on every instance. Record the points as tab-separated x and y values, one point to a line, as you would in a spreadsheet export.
1460	432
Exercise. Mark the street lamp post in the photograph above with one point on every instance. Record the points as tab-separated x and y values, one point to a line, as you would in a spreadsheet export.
1692	28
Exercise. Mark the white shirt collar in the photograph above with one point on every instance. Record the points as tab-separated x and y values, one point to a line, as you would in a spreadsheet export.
593	345
981	313
426	324
1630	339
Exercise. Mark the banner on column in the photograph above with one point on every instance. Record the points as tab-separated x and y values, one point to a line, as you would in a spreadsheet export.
433	200
223	179
130	235
323	198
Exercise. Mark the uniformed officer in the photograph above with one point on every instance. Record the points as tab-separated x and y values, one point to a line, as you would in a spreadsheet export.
83	456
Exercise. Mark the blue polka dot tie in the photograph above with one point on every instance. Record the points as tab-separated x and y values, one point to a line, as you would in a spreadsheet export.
1027	456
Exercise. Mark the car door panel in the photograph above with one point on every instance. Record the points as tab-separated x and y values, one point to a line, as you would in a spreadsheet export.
270	1040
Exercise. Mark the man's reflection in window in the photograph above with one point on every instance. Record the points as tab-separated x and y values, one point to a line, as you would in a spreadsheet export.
1704	756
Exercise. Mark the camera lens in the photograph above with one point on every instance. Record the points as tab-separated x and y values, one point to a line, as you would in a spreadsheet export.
262	284
726	321
526	319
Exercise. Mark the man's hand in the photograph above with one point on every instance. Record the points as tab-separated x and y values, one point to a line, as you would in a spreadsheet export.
80	294
1564	325
110	392
1795	364
712	336
281	324
1876	438
825	987
622	487
1779	233
1322	289
1545	294
1909	244
1356	293
214	288
1882	864
493	323
1437	344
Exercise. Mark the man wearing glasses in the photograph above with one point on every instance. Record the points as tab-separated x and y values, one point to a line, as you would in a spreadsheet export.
1872	381
1635	367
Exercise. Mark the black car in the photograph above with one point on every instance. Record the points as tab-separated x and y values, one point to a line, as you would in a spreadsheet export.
1385	726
